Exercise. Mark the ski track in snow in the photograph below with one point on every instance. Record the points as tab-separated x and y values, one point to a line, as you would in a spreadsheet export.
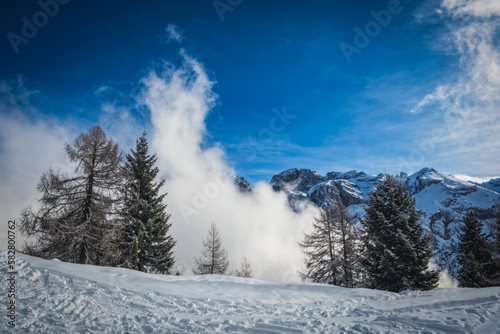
53	297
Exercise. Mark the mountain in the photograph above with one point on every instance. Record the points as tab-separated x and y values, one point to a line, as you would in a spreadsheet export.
305	185
242	184
443	199
493	184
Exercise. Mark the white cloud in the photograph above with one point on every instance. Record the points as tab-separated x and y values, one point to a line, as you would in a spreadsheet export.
200	188
29	145
478	8
120	124
465	177
116	117
472	37
467	104
173	33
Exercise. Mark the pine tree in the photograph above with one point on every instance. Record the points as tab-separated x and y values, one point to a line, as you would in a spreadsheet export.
77	220
332	249
495	247
397	251
245	269
475	255
145	243
213	259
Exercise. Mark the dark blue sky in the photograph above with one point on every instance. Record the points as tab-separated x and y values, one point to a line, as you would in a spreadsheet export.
264	55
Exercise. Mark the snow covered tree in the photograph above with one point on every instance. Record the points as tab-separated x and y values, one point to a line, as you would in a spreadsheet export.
475	256
397	251
495	247
145	244
77	220
213	259
333	248
245	269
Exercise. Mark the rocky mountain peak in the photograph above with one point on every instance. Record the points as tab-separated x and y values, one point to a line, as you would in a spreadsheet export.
344	176
300	180
242	184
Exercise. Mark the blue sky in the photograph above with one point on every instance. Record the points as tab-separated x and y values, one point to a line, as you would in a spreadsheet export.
380	109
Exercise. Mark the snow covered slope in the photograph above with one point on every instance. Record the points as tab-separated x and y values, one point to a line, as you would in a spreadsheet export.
493	184
443	199
57	297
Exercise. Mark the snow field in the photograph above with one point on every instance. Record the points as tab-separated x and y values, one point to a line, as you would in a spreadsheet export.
57	297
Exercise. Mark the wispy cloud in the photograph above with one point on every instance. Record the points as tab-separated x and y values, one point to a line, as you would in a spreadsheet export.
472	33
473	178
477	8
173	33
467	104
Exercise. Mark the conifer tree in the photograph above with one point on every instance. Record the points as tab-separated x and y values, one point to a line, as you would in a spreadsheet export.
145	243
245	269
213	259
495	247
78	216
475	255
397	251
333	248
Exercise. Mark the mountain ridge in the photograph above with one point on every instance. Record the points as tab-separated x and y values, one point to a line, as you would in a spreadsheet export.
442	198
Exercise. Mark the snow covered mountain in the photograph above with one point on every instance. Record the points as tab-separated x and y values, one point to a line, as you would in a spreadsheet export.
493	184
57	297
351	188
443	199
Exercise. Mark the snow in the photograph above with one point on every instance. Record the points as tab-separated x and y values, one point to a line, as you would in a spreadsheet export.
58	297
351	188
287	173
493	184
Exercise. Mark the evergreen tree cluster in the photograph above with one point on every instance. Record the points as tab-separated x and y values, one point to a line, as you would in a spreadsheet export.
391	252
106	213
479	253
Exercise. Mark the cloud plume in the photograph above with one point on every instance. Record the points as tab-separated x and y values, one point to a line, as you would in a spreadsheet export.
200	183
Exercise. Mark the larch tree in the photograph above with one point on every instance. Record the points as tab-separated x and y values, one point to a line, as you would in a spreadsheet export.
475	255
245	269
213	258
145	244
332	249
78	220
397	251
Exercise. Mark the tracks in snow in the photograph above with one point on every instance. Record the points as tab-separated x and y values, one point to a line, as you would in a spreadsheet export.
54	302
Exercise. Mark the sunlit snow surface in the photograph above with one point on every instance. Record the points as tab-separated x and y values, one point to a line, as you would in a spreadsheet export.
57	297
